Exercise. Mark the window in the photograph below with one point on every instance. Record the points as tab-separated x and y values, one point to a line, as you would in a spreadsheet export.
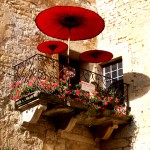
113	72
113	77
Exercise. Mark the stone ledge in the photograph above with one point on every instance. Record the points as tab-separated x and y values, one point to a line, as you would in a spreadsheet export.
66	116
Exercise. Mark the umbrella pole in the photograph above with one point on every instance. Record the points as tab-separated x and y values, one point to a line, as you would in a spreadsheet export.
68	50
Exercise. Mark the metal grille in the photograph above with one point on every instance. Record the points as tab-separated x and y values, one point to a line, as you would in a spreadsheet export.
42	67
120	88
39	67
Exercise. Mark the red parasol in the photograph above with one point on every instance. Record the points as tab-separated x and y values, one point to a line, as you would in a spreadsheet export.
70	22
96	56
52	47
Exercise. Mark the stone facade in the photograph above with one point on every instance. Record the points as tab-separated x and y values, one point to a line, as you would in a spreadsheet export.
126	34
19	38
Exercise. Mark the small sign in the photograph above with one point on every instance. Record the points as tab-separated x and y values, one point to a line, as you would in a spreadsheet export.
87	86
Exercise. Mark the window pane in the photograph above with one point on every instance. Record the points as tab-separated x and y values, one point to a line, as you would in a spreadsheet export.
114	66
120	78
107	69
114	74
114	81
120	72
108	75
108	82
120	65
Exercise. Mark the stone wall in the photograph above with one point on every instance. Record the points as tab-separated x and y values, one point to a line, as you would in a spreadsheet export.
125	34
19	38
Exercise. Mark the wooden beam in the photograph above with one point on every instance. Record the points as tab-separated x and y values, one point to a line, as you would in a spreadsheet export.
72	123
91	121
109	131
57	111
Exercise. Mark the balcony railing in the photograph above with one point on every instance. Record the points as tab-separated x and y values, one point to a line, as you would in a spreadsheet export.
119	87
42	87
39	68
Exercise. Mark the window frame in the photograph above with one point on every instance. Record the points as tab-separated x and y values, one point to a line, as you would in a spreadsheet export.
112	78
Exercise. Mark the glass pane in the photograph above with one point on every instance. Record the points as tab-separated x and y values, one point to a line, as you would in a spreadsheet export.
120	72
121	78
114	74
108	83
114	66
107	69
119	65
114	80
108	75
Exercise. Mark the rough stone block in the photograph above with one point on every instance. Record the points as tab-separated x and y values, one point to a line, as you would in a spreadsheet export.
113	144
48	147
87	133
127	148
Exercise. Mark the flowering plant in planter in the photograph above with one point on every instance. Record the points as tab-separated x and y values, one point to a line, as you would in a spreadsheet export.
101	99
21	88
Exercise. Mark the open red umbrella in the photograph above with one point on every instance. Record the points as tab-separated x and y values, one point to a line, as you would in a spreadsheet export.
52	47
96	56
69	22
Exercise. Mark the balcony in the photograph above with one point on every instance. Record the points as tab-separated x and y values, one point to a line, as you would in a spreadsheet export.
42	88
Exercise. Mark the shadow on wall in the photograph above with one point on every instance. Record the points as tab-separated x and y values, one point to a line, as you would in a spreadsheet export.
72	54
122	138
139	84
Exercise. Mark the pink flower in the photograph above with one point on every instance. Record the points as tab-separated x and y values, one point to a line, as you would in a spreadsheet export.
32	80
84	101
92	91
64	81
17	92
77	92
11	86
99	107
65	69
80	83
17	84
99	98
55	85
17	97
13	98
64	76
112	97
109	98
117	100
30	84
115	114
96	92
43	82
68	92
63	96
22	81
87	95
76	99
93	104
116	106
48	87
105	103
